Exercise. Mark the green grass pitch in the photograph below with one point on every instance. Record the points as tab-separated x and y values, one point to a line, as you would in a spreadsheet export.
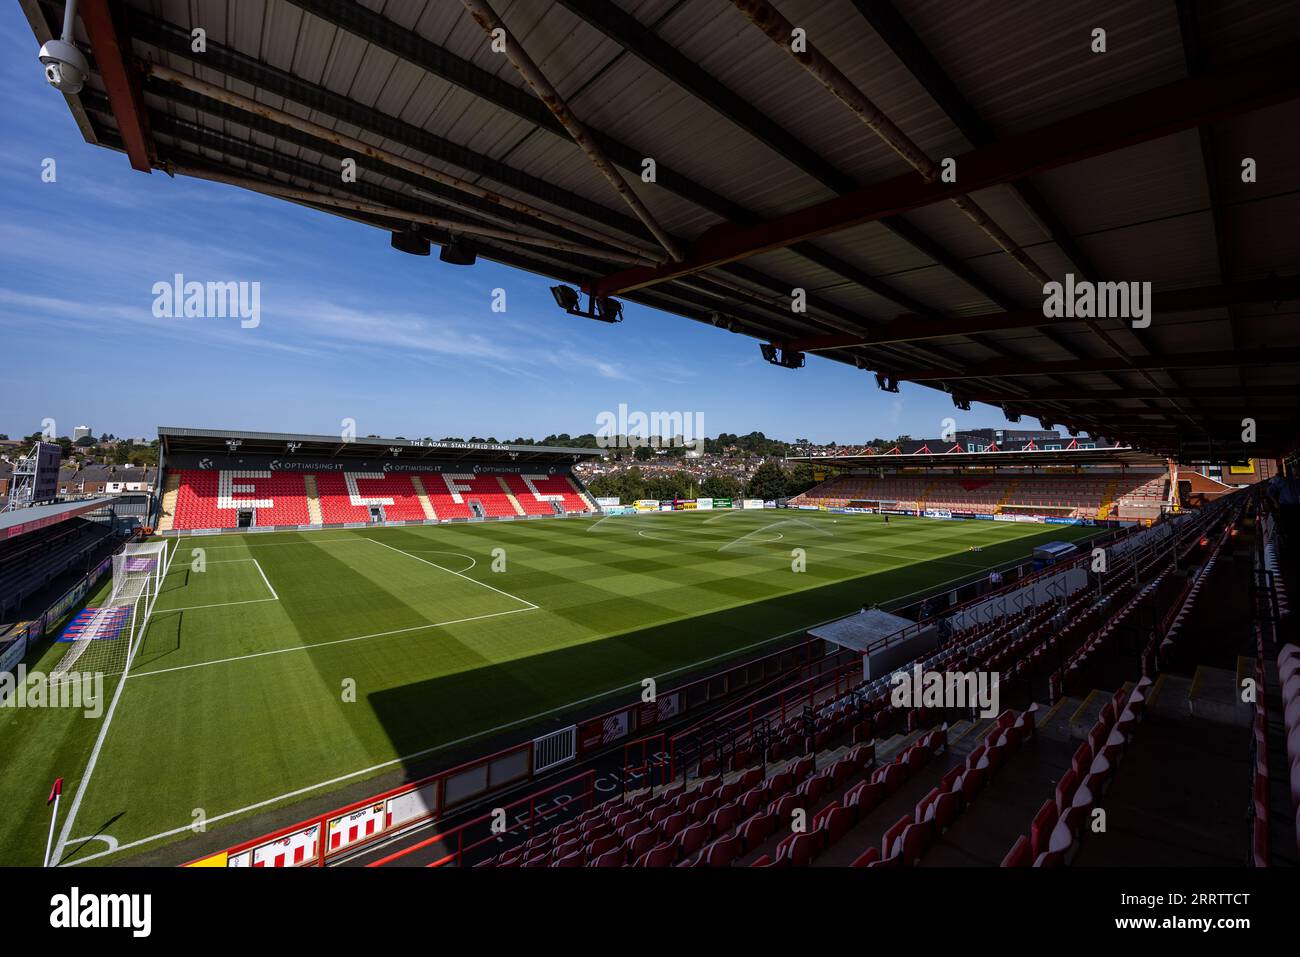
236	700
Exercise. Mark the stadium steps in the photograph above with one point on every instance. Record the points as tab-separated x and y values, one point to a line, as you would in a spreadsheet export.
880	818
925	493
582	493
1169	695
1006	496
514	502
313	499
1166	807
423	497
1085	715
1107	500
988	826
1215	694
171	491
962	739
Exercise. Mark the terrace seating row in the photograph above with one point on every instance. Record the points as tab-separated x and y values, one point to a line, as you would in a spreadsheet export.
213	499
1288	666
1075	496
707	824
733	814
29	568
1058	827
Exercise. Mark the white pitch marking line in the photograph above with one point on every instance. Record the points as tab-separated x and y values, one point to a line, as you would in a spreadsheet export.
108	718
439	747
268	584
213	548
322	644
457	574
418	754
220	604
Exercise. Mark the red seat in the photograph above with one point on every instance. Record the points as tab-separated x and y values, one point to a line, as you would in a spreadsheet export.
1082	758
758	829
662	855
971	784
915	841
723	851
863	798
784	806
801	849
866	858
643	841
1065	789
1040	829
1020	854
836	822
724	818
693	838
676	823
892	835
616	857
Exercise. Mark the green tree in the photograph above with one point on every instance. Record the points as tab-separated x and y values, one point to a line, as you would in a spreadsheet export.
769	481
721	486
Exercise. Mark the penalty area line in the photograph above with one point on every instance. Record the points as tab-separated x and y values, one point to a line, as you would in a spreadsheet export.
426	751
456	573
323	644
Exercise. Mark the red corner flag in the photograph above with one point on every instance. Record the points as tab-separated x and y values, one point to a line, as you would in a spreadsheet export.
55	791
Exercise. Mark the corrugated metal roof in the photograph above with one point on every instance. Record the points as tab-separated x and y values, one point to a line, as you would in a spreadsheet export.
418	79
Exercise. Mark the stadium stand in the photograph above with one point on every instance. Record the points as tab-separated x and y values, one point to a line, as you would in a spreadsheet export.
880	788
30	562
213	499
1130	496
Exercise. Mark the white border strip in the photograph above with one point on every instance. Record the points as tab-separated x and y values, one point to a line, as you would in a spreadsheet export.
108	717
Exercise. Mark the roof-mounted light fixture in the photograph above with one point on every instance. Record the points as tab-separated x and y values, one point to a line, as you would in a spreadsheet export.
602	308
410	241
458	252
781	356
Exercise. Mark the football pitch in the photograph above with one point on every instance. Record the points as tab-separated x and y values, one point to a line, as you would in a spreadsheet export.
281	666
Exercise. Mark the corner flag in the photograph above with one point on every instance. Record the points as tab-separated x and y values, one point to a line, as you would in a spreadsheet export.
55	791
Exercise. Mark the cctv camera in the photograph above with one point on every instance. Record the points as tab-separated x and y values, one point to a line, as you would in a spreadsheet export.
65	67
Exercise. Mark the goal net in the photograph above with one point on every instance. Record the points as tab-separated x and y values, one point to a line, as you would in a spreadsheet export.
101	638
136	568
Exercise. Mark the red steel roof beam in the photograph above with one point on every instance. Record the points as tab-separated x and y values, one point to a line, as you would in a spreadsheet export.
1264	80
914	328
111	49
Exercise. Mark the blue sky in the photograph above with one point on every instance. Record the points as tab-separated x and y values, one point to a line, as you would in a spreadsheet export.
350	328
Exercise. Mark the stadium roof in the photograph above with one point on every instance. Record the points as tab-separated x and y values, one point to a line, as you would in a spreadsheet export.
772	173
20	521
1041	458
281	443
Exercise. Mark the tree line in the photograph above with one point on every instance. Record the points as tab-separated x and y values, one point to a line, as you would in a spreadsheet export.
769	481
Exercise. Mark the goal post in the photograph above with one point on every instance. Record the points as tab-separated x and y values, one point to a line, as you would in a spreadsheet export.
138	568
101	639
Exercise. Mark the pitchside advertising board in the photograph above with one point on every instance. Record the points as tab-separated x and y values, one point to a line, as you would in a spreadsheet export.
187	460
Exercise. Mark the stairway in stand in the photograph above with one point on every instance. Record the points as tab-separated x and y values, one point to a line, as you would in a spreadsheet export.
313	499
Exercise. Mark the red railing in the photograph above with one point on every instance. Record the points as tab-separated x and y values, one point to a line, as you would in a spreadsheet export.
457	835
471	780
415	803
